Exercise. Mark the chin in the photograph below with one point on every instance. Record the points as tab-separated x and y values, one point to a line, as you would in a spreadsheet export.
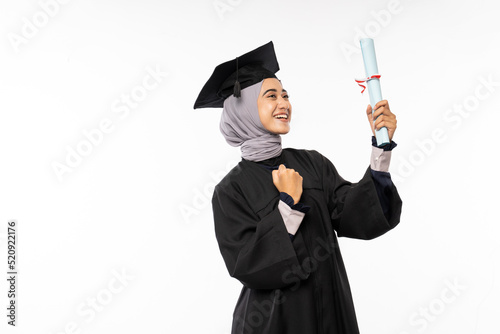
283	131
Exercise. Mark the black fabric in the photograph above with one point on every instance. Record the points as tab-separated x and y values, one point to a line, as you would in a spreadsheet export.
386	147
288	200
298	286
383	185
248	69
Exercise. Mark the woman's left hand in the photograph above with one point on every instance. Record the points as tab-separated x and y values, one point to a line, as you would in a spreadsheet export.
387	118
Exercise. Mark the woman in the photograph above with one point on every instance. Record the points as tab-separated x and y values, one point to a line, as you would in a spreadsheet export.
279	211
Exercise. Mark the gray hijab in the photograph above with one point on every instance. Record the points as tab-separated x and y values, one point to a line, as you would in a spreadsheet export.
240	124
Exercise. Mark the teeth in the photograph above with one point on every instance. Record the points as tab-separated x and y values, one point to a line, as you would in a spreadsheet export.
281	116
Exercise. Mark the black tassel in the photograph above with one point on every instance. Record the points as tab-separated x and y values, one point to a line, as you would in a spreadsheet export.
237	89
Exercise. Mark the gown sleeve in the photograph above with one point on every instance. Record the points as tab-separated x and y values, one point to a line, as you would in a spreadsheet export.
355	209
258	252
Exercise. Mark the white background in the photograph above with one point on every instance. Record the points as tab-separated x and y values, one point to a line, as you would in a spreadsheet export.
138	203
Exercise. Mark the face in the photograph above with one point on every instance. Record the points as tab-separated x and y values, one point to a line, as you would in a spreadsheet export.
275	111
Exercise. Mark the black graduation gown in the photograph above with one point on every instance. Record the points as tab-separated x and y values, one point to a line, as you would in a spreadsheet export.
300	285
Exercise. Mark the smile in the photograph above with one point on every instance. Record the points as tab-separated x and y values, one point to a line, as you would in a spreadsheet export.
281	116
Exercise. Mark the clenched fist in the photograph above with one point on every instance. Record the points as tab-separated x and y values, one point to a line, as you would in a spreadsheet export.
289	181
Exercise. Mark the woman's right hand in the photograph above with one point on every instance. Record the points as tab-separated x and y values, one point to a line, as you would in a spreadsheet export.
289	181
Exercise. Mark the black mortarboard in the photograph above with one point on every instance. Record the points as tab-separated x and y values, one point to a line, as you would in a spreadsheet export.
229	77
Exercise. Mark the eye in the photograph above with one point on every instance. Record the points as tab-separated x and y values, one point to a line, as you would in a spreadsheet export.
272	95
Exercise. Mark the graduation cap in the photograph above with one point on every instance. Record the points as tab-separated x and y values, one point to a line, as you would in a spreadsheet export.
230	77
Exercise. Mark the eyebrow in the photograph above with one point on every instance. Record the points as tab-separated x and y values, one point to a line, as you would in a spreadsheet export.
273	90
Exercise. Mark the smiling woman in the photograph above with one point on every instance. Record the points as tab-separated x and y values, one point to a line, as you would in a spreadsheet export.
279	211
275	111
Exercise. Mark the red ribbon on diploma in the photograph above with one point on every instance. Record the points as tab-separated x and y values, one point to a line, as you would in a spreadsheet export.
360	81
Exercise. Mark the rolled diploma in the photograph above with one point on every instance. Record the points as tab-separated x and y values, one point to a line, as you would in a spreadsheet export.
370	60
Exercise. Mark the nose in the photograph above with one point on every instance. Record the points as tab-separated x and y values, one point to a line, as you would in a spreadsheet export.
283	104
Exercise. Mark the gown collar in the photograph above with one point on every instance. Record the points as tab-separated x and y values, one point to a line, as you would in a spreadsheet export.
271	163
